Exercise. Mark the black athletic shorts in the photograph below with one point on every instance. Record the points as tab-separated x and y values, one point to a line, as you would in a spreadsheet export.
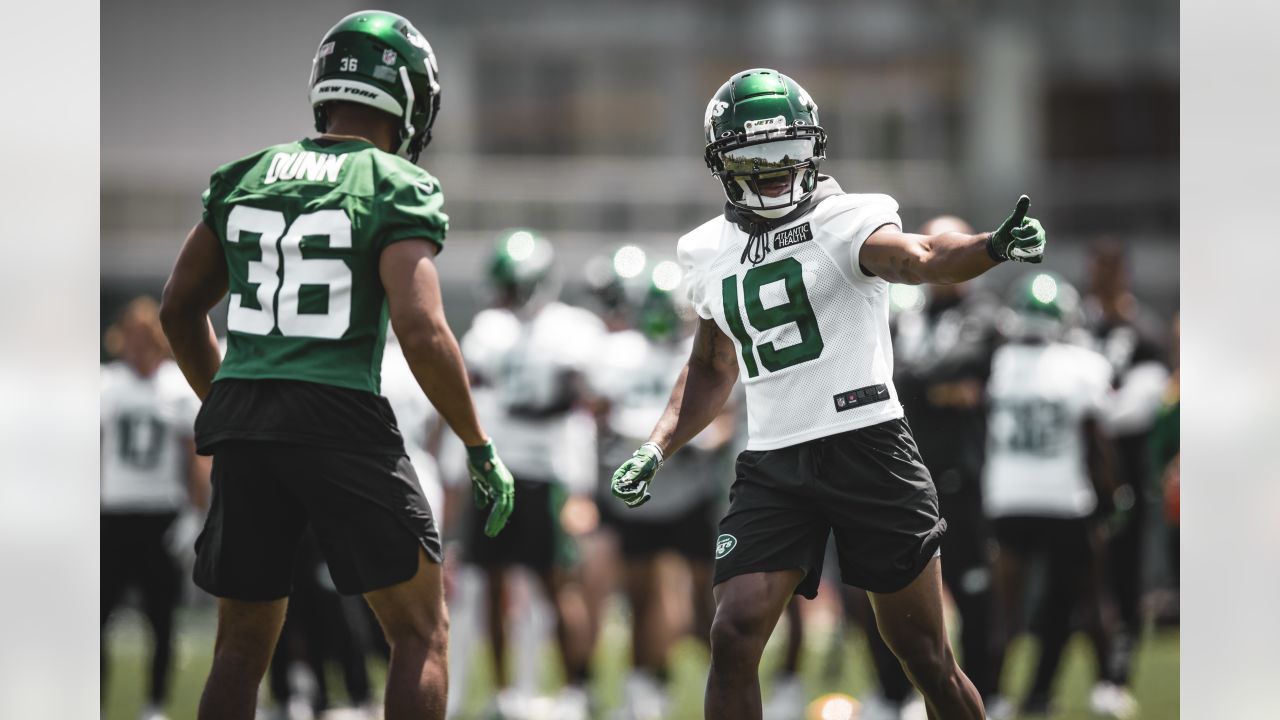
533	536
1066	538
367	512
867	487
691	533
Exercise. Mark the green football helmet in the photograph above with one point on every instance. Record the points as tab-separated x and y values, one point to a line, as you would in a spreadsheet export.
1046	305
658	316
521	265
379	59
764	142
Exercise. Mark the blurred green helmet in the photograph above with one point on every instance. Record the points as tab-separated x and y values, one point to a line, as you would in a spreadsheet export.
1046	305
379	59
521	264
764	142
659	316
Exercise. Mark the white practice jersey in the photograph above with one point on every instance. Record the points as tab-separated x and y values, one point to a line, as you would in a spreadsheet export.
145	422
415	416
811	327
526	397
637	375
1040	395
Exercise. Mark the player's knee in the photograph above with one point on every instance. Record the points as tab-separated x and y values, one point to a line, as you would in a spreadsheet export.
737	640
422	630
930	664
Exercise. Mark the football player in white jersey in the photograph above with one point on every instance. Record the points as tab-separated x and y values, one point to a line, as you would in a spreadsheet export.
150	474
1049	471
528	356
676	532
790	283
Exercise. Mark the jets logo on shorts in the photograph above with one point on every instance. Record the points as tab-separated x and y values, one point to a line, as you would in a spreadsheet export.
725	545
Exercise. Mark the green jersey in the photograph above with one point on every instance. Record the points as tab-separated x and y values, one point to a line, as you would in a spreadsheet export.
302	226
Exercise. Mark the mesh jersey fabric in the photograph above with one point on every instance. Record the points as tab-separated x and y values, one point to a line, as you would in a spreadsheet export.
302	226
809	283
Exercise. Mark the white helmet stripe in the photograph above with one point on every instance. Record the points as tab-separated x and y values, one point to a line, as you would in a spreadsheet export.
408	113
357	92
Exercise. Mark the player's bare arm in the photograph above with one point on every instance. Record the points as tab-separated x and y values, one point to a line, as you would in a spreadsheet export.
408	273
697	399
197	283
952	257
409	276
701	390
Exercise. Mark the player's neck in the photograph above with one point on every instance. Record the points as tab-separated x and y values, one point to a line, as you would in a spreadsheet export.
353	129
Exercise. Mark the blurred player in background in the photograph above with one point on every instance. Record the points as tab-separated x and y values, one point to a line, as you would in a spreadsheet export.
791	286
636	371
1127	336
320	242
1048	475
528	354
150	475
942	359
1166	472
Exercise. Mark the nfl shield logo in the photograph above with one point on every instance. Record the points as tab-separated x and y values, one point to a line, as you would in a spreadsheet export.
389	57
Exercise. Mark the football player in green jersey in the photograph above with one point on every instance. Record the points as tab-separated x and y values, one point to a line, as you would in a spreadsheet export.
319	242
791	285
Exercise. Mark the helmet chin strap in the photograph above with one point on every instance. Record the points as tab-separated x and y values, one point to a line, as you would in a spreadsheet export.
408	110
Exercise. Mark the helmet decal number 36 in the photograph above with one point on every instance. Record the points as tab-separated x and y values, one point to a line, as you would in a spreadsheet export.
796	309
284	312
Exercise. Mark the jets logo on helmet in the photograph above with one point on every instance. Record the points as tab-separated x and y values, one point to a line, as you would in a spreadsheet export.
379	59
764	142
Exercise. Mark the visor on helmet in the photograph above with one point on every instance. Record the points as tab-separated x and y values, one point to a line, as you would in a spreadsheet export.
768	156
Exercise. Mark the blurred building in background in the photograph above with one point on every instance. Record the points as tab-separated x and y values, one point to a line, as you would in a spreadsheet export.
584	119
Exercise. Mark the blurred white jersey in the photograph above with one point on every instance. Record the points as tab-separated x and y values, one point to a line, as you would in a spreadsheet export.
811	327
526	395
1036	453
415	416
637	375
143	424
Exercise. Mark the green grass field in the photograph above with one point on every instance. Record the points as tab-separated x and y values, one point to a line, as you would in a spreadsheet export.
1156	683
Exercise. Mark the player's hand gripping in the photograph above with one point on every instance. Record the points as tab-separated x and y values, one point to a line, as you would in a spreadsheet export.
491	482
1019	238
631	481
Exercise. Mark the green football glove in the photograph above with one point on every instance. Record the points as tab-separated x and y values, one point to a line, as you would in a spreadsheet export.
491	482
1020	238
631	481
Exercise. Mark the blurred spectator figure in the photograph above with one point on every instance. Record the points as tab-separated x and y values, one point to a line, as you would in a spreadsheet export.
150	477
1126	335
667	546
1166	473
1047	475
944	341
528	355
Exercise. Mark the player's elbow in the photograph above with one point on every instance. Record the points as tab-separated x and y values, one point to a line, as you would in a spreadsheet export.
174	309
420	337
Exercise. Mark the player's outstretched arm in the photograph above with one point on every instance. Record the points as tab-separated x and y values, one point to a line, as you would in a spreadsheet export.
197	283
409	276
697	399
952	257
